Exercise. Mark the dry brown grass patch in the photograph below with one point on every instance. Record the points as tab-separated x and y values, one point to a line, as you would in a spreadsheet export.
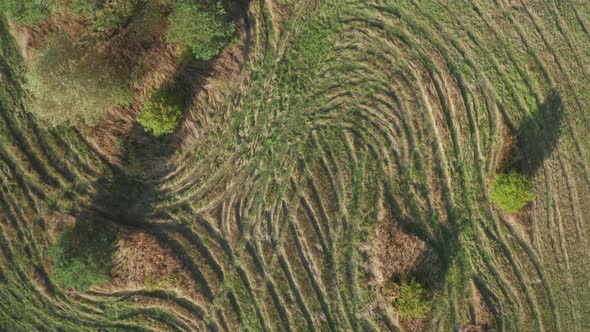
481	316
394	252
141	261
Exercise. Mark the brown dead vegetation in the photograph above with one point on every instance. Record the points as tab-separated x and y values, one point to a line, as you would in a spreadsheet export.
396	254
281	12
141	259
509	155
415	325
32	39
480	314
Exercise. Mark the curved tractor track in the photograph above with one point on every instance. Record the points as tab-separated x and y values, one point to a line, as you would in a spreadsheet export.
346	115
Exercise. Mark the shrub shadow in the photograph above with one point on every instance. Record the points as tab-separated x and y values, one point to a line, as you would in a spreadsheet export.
538	134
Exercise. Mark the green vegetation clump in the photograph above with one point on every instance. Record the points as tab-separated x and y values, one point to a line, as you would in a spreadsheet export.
25	11
168	281
512	191
203	29
70	84
107	15
83	256
413	303
114	15
161	113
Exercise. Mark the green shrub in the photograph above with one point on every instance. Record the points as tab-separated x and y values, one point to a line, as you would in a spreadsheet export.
108	15
203	29
512	191
412	302
86	8
83	256
114	14
25	11
161	114
70	84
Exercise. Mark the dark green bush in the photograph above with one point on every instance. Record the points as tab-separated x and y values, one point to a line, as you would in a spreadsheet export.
203	29
413	302
512	191
161	113
83	256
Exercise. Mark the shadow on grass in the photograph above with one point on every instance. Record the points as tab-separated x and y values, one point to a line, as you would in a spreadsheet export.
538	134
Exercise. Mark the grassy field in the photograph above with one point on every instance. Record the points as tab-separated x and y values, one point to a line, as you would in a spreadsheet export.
335	148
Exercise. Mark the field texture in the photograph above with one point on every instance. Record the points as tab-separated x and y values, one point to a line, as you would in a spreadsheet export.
336	146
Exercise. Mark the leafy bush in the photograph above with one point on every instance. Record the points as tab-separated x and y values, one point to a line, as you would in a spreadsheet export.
412	302
115	14
25	11
108	15
202	29
68	83
512	191
161	113
83	256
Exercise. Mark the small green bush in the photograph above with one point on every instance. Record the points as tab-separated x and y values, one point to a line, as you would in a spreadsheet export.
203	29
161	114
413	302
512	191
114	14
83	256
